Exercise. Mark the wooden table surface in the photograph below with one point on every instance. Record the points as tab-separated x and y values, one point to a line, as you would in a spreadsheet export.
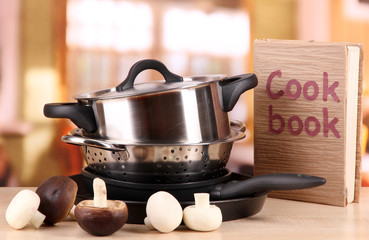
279	219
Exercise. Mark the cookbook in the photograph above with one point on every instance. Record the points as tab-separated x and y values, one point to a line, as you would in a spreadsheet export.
308	115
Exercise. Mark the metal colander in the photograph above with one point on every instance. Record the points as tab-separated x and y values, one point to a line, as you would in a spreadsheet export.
160	164
156	163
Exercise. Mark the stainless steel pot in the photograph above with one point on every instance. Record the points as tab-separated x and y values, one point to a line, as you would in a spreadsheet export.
157	163
175	111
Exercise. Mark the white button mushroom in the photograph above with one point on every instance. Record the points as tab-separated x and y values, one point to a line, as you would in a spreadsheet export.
202	216
164	212
23	210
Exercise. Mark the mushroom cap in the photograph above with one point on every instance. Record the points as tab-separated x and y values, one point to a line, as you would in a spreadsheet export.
57	195
101	221
22	208
164	211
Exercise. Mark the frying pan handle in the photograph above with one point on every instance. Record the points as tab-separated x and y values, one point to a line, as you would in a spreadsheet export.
145	64
267	182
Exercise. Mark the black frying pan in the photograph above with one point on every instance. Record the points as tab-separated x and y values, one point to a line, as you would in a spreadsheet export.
237	195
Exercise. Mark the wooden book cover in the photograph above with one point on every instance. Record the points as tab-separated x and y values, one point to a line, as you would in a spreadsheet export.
308	116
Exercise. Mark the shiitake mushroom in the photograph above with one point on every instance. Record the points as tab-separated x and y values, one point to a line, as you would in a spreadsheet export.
101	217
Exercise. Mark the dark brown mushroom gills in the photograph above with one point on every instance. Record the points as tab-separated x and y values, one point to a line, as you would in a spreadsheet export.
101	221
57	195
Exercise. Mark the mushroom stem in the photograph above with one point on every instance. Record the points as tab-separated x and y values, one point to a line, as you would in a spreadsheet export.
202	200
100	195
37	219
148	223
71	215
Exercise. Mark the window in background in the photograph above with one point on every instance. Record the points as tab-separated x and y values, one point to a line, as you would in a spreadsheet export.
198	42
105	38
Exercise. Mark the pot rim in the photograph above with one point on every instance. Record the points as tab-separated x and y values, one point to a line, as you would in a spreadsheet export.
151	87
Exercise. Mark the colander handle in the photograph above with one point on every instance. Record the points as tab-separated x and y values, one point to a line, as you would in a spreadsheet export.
75	137
238	126
146	64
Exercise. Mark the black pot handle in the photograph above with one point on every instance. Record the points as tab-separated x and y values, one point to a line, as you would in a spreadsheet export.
233	87
145	64
81	115
266	182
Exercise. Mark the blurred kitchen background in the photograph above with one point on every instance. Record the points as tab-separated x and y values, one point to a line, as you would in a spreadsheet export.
52	50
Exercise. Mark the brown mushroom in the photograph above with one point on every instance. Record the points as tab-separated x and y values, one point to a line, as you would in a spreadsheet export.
100	216
57	195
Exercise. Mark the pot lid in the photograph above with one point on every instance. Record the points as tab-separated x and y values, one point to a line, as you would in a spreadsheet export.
152	87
